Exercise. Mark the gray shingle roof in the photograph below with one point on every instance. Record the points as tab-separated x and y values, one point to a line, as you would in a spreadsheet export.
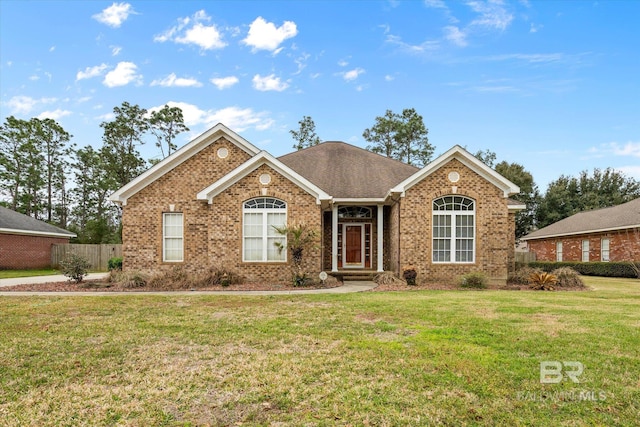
345	171
23	224
626	215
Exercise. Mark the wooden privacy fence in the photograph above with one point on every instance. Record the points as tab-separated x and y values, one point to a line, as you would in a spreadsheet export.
525	257
97	255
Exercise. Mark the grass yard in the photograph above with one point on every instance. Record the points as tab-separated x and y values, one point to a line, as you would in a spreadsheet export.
405	358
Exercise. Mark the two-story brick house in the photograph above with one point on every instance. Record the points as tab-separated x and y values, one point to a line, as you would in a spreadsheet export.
215	201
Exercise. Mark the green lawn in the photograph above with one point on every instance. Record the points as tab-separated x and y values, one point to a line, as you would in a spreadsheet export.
407	358
9	274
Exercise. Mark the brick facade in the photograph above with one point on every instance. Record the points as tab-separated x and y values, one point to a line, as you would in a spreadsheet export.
494	226
213	233
624	245
25	252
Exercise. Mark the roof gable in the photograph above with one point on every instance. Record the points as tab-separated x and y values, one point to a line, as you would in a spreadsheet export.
467	159
12	222
348	172
620	217
263	158
178	157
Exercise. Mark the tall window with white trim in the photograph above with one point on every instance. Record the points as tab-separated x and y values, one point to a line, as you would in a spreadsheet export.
172	237
559	251
259	236
454	229
604	250
585	251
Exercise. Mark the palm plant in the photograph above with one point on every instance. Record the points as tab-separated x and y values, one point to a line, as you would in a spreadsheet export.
300	237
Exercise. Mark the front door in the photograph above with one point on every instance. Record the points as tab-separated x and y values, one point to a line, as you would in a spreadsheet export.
353	245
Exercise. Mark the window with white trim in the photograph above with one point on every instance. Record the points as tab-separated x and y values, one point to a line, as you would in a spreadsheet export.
604	250
585	251
259	237
453	229
172	237
559	251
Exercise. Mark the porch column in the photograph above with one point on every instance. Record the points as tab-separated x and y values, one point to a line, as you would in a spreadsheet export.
334	238
380	240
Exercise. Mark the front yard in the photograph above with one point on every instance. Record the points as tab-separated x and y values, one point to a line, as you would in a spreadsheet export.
375	358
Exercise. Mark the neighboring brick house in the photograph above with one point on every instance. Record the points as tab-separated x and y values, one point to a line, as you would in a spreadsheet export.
608	234
214	202
26	242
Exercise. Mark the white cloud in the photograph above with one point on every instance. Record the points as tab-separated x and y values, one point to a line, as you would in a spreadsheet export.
493	14
389	78
173	81
52	48
25	104
631	171
343	63
224	82
238	119
192	30
34	77
425	47
115	50
265	35
54	115
629	149
455	35
122	75
115	14
90	72
352	74
270	82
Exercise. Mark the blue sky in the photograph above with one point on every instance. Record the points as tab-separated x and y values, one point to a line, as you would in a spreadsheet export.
554	86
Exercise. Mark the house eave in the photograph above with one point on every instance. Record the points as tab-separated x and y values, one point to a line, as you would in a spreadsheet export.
35	233
192	148
578	233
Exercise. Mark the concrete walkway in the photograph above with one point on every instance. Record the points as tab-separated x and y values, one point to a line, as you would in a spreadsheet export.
347	287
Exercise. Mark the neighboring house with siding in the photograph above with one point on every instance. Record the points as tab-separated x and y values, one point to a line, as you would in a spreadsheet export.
214	202
26	242
608	234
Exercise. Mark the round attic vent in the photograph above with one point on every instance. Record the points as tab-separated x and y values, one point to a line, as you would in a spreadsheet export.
454	176
265	179
223	152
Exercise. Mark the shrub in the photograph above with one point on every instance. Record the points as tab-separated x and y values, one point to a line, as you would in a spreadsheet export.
409	274
542	281
521	275
218	276
115	263
129	279
568	278
388	278
75	267
603	269
475	280
176	278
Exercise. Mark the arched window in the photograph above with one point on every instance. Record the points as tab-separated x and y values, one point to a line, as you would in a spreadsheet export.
354	212
454	229
259	236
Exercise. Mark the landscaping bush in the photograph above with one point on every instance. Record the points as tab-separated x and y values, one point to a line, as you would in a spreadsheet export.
568	278
409	274
603	269
218	276
114	263
176	278
521	275
129	279
475	280
542	281
75	267
388	278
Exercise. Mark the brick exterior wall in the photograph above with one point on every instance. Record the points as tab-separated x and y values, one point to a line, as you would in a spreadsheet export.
495	228
212	233
624	245
24	252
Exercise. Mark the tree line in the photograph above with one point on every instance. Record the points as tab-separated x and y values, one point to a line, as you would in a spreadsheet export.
404	136
44	175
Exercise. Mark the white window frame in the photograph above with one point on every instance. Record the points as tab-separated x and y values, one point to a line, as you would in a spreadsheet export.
605	254
559	251
453	207
176	235
585	250
262	207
